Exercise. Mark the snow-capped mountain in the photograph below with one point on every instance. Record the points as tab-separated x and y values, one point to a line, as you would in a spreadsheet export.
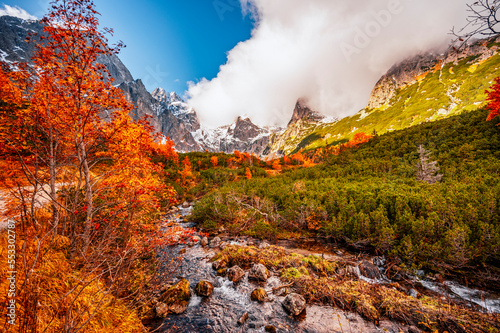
242	135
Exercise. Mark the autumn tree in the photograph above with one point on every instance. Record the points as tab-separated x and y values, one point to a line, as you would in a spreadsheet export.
494	100
186	172
68	132
276	165
248	173
214	161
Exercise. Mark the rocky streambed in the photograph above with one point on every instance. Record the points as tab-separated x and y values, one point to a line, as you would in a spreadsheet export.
253	299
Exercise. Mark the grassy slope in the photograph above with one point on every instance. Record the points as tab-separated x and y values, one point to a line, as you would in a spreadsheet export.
424	101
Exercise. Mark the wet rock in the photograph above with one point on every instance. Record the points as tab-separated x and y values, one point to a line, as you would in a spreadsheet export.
413	329
204	288
350	271
243	318
294	303
259	295
413	293
177	297
222	272
235	274
221	263
369	270
185	204
215	242
256	324
264	245
191	244
258	272
161	310
270	328
182	251
204	241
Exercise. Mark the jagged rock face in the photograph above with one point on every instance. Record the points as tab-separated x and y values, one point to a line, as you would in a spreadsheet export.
14	31
245	130
408	71
144	104
180	109
116	69
304	113
242	135
303	120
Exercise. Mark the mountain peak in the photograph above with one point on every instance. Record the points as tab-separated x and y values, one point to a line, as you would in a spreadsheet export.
302	111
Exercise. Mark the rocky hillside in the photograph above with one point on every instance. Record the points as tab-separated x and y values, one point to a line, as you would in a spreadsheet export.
304	120
424	88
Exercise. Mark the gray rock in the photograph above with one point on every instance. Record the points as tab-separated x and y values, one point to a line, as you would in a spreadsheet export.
185	204
204	241
215	242
258	272
369	270
294	303
235	274
413	293
264	245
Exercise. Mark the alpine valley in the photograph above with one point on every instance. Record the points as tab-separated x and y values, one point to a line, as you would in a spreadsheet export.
387	220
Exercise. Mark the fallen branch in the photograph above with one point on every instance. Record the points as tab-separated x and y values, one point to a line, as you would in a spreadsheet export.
284	286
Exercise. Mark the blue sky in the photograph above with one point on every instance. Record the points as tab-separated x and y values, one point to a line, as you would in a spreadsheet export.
169	42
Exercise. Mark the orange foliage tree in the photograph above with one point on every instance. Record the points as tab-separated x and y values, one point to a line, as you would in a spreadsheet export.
248	173
67	132
214	161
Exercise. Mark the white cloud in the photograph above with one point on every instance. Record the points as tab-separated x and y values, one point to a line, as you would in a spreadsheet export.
332	52
16	12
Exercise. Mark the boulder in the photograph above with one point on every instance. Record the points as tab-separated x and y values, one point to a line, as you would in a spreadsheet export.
204	288
259	295
235	274
177	297
294	303
221	263
215	242
264	245
243	318
161	310
369	270
185	204
258	272
204	241
222	272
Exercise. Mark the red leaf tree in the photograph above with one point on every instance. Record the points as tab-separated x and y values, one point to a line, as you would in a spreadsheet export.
494	100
